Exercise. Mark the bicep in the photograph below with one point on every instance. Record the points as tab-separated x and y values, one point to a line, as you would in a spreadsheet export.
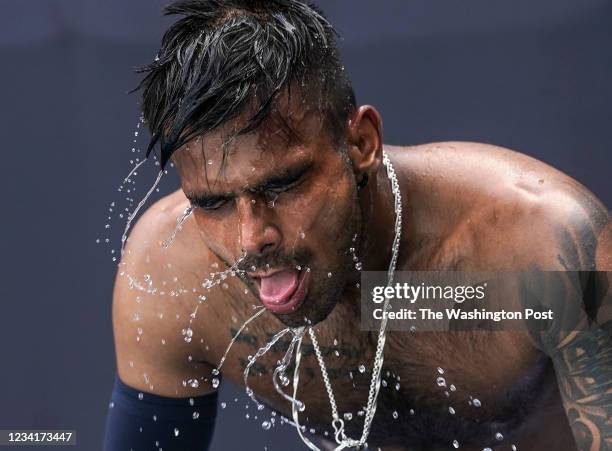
579	341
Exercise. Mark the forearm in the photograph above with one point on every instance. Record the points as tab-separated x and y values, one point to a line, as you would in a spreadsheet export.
583	364
145	421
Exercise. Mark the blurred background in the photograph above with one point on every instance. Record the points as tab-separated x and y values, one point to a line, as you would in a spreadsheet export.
531	76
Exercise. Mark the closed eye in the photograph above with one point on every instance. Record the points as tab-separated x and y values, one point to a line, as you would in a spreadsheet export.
283	183
283	187
209	203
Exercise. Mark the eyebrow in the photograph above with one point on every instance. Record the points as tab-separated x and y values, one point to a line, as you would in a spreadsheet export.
283	178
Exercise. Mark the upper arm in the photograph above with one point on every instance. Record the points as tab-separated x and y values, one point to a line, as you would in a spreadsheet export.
152	303
580	344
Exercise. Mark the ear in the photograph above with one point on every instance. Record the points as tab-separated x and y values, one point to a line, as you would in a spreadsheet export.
364	139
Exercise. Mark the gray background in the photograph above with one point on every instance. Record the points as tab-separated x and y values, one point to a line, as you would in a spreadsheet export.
533	76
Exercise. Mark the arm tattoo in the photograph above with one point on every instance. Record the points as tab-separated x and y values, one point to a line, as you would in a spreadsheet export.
583	363
581	348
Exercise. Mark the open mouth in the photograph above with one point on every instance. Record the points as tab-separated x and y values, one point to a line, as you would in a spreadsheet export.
283	291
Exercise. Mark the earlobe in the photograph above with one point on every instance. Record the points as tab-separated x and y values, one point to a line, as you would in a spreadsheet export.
364	139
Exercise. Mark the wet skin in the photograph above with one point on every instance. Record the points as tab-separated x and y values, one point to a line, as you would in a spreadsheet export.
290	202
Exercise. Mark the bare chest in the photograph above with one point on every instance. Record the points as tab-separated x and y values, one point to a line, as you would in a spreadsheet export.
431	384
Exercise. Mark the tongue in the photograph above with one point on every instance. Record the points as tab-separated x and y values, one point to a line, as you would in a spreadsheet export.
279	287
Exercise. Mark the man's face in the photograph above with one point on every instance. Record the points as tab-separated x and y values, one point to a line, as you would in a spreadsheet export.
288	206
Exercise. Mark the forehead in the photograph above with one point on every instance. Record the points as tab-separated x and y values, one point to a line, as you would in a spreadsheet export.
293	132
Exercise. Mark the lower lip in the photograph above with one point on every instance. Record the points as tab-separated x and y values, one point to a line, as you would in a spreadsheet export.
296	299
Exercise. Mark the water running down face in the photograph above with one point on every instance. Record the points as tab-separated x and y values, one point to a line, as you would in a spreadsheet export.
285	199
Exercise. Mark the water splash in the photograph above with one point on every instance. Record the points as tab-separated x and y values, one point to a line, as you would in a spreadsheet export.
261	310
260	352
137	209
179	225
279	371
133	171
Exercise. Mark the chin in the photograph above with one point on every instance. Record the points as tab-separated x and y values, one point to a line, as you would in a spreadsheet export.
309	314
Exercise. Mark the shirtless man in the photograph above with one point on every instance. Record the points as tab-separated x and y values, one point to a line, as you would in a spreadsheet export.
284	174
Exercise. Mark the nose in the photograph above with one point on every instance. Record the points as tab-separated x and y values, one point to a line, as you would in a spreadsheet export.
258	234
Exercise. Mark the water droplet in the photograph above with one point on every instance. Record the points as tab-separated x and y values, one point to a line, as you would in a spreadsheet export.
348	416
455	444
176	432
440	370
397	386
215	382
193	383
195	415
441	382
395	414
451	410
452	387
499	436
223	405
411	411
361	369
476	402
140	396
266	425
513	447
329	274
111	405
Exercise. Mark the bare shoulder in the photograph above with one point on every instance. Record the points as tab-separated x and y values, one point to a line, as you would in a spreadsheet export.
153	297
505	209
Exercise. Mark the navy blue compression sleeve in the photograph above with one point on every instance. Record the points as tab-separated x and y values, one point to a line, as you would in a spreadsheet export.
154	422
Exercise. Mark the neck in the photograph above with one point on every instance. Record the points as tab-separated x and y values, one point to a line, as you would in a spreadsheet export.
377	205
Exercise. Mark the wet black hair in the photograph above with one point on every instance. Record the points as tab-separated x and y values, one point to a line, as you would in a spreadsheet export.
222	59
